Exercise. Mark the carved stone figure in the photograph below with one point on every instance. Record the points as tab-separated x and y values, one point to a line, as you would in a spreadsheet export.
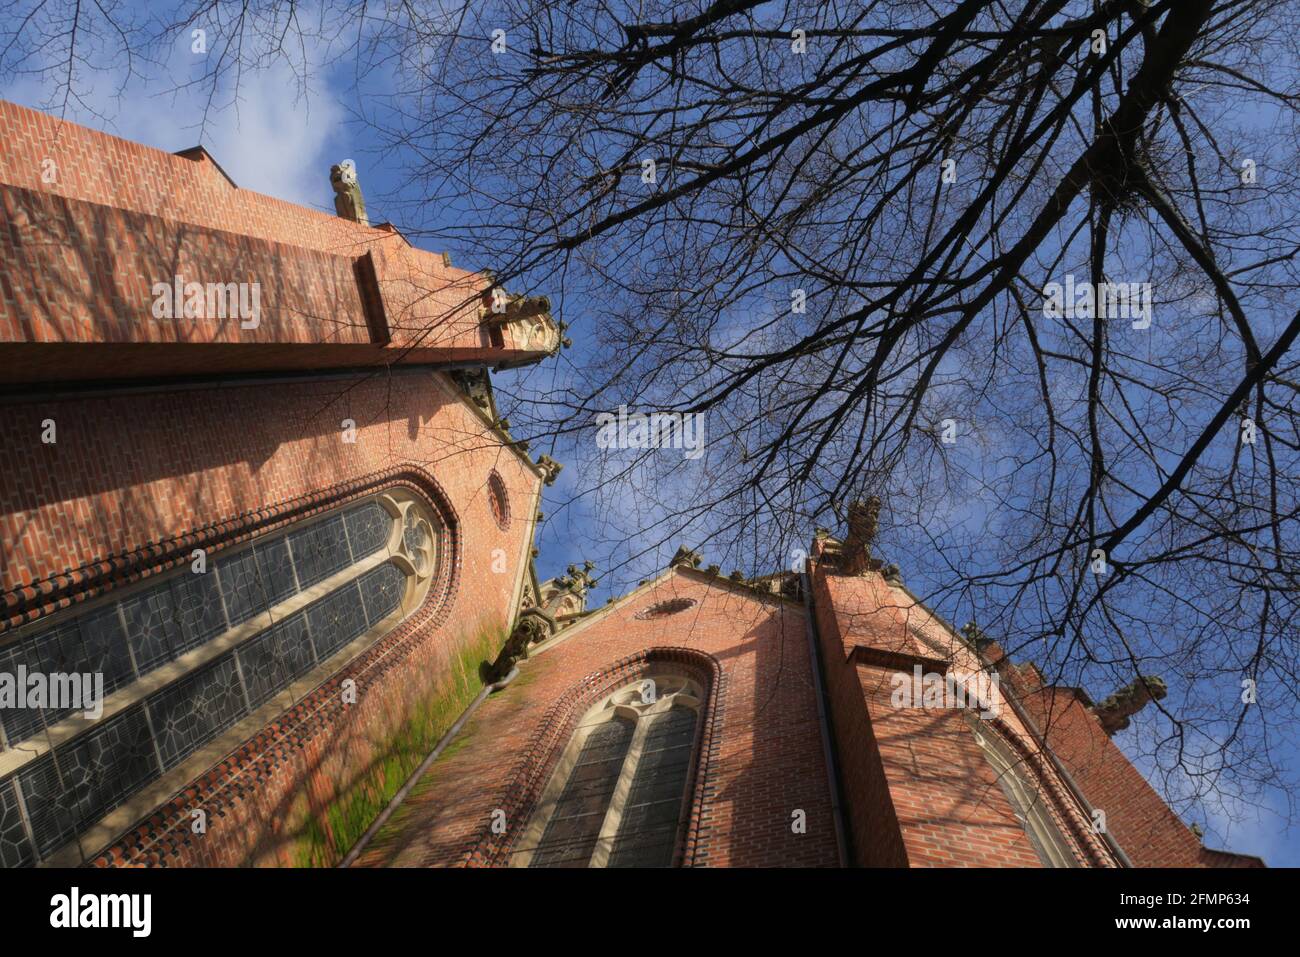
1116	710
565	596
549	466
528	318
528	630
686	556
864	521
975	635
347	192
475	384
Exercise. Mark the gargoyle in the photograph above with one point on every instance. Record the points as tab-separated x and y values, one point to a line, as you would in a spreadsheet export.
550	468
1115	711
686	556
528	630
975	635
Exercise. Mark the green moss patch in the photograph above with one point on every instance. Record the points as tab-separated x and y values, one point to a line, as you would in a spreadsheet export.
325	838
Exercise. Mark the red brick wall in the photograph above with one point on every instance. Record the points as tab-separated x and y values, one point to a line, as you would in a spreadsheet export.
82	272
875	836
130	470
104	169
1148	831
920	790
767	755
151	473
81	253
950	808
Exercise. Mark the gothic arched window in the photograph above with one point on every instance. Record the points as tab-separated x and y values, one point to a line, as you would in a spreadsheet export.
1026	797
617	797
186	656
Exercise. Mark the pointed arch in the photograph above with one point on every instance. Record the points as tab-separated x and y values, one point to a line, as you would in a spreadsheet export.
615	774
1055	827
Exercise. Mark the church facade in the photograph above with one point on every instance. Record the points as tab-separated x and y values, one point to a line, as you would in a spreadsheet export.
258	498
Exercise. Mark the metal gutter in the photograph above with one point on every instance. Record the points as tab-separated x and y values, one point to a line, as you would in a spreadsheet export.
1065	775
823	719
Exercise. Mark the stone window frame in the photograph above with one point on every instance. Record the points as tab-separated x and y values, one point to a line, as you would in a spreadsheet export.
627	702
498	500
1026	795
418	544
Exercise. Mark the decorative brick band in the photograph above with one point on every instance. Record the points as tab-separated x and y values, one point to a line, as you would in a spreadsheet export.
539	758
37	599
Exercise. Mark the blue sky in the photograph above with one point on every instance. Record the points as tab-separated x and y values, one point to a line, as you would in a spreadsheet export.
280	137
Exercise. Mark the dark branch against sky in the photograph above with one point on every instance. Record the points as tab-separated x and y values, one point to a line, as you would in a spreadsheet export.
915	176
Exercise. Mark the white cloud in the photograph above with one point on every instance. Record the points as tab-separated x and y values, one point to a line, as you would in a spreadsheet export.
269	139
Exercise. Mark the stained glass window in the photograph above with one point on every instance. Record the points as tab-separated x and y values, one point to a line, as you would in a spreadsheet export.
276	657
616	798
647	830
15	848
574	826
50	800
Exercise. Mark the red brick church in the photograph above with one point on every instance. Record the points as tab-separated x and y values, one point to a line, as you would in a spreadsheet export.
255	484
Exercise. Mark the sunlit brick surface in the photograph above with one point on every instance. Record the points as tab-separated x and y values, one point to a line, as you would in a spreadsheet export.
768	753
93	222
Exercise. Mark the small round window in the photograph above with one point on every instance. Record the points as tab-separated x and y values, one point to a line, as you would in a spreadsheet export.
665	608
498	501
